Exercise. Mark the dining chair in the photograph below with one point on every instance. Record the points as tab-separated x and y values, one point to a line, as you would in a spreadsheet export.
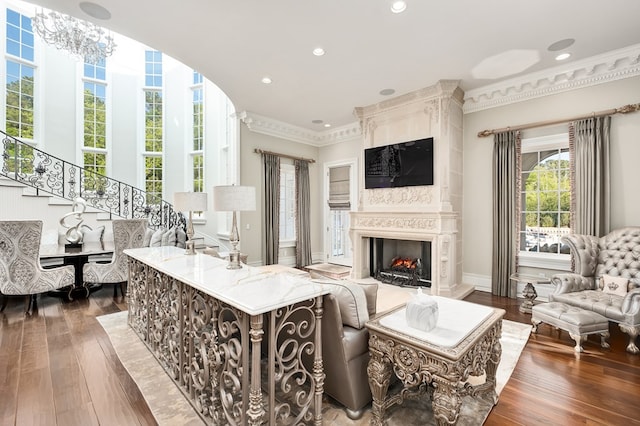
20	269
127	233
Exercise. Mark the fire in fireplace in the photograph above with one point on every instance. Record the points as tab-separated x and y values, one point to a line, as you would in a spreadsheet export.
409	264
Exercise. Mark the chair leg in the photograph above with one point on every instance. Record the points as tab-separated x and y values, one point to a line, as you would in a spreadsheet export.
5	299
123	289
32	303
115	290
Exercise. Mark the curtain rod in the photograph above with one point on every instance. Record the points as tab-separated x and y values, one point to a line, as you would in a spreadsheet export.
622	110
262	151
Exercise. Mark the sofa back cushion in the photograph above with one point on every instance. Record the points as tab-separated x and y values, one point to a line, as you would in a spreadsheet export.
619	255
351	301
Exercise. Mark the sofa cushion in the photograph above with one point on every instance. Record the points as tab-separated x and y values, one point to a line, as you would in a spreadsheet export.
371	293
606	304
614	285
352	301
355	342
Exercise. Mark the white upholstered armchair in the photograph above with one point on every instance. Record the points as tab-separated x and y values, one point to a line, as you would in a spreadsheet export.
127	233
20	269
606	278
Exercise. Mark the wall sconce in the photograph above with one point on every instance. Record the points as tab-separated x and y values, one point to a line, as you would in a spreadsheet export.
231	198
191	202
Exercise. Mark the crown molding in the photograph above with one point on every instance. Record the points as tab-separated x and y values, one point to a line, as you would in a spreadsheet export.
614	65
608	67
269	126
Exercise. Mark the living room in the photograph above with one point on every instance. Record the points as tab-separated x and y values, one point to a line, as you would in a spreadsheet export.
598	83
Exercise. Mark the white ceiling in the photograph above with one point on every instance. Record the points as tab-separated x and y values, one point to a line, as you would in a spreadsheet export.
235	43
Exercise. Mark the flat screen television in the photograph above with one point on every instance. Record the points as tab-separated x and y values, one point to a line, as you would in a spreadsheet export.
401	164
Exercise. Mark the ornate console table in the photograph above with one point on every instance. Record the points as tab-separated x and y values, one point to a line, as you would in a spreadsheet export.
465	342
205	325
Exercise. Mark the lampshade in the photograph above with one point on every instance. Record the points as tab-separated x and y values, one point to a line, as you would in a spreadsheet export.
190	201
229	198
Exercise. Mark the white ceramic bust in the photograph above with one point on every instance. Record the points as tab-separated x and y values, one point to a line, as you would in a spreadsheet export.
422	312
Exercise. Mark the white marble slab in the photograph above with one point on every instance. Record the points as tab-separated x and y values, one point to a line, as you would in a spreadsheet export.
456	319
250	289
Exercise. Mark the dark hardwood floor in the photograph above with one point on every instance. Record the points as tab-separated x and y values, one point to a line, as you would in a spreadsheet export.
59	368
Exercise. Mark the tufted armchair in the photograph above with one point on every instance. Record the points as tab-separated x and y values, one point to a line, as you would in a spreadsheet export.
614	261
20	269
127	233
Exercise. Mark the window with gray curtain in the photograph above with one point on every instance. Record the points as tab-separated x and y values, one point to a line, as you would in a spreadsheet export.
303	205
271	208
506	199
589	142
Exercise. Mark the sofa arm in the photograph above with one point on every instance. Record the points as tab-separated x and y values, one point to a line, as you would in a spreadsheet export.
631	305
569	283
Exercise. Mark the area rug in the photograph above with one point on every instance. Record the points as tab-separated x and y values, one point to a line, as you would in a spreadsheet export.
169	406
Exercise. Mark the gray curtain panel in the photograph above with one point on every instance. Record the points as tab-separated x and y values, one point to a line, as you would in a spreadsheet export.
271	208
506	212
303	220
590	175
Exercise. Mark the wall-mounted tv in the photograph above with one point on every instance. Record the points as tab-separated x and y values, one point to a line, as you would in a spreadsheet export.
401	164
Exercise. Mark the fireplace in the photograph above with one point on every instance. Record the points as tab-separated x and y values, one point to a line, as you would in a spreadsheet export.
423	213
401	262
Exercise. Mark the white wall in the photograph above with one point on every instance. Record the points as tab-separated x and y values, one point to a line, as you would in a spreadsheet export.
625	158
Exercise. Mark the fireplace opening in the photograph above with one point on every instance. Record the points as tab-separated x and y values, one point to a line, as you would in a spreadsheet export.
401	262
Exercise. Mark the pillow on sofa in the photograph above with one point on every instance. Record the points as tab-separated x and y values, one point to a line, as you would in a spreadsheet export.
351	301
614	285
156	238
169	237
181	238
148	233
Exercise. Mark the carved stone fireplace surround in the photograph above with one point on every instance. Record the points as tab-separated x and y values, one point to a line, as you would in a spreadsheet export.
418	213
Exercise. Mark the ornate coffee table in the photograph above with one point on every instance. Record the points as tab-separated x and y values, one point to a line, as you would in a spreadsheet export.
466	342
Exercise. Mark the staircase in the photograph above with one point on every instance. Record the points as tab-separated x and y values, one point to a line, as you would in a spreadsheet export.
46	174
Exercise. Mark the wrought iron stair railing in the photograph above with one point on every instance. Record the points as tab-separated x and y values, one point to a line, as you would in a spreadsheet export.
32	167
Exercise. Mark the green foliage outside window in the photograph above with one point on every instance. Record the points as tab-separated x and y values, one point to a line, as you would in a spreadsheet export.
19	105
547	194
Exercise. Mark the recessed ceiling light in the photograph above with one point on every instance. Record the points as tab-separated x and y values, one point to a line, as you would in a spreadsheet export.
387	92
317	121
563	56
318	51
560	45
327	125
95	10
398	6
266	80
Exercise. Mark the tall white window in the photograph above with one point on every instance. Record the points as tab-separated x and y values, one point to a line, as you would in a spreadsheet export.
339	207
287	205
94	147
19	84
197	148
153	127
546	194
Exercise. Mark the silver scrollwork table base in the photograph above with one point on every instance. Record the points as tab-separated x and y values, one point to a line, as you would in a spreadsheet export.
426	369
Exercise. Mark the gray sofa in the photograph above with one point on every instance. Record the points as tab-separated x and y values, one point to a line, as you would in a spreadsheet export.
606	278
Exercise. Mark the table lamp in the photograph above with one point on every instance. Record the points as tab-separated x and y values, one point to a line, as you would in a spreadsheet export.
231	198
191	202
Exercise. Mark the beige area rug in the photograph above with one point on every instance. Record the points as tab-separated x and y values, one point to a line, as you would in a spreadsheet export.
169	406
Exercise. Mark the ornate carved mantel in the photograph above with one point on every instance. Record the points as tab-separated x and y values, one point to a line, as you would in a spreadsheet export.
424	213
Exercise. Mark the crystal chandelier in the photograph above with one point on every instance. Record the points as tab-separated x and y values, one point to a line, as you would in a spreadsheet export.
82	39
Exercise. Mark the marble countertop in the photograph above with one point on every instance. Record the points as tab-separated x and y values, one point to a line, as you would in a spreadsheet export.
253	290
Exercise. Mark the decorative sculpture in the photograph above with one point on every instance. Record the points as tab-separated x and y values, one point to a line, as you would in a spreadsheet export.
74	234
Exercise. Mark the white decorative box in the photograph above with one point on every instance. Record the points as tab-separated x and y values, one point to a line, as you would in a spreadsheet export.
422	312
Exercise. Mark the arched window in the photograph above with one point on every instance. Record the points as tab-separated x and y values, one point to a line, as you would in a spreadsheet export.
546	194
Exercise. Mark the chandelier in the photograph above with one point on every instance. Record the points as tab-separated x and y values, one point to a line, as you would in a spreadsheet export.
82	39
